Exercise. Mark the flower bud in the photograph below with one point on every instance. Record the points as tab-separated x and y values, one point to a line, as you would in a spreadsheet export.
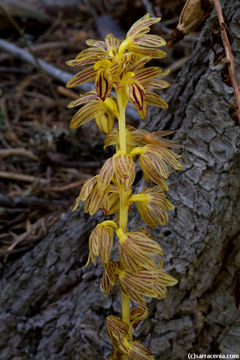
124	170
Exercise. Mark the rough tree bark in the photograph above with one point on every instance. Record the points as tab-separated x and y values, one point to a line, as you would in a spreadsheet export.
52	308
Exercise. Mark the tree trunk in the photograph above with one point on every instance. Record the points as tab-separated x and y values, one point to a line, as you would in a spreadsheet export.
52	308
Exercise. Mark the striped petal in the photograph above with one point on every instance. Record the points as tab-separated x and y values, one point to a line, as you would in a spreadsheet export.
138	314
93	246
155	100
136	94
127	289
126	60
154	209
157	84
87	74
154	162
87	58
153	53
139	351
86	113
144	243
112	42
140	63
83	99
170	157
118	333
97	43
150	172
85	191
135	249
106	174
105	234
140	283
148	74
111	203
89	52
112	138
103	83
142	26
109	277
105	121
150	40
95	200
124	170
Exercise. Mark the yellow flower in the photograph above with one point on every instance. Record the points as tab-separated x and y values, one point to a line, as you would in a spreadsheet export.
138	314
138	42
92	195
118	333
124	170
135	249
152	205
94	107
109	277
111	202
140	137
153	160
145	283
101	241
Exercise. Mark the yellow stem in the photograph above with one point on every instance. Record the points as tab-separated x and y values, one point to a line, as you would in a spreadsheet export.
123	213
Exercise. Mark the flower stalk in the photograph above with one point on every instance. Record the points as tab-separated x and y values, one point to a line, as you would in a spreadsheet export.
120	66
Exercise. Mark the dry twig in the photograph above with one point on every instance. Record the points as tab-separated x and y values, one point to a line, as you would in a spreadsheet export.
51	70
20	177
21	33
5	153
229	55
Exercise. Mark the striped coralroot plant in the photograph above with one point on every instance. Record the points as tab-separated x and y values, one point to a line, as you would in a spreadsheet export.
120	66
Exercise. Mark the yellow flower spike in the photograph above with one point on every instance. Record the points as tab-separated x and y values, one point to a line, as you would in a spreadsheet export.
120	65
138	314
124	169
153	208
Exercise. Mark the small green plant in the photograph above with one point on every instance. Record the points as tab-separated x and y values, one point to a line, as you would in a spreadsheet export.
120	66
